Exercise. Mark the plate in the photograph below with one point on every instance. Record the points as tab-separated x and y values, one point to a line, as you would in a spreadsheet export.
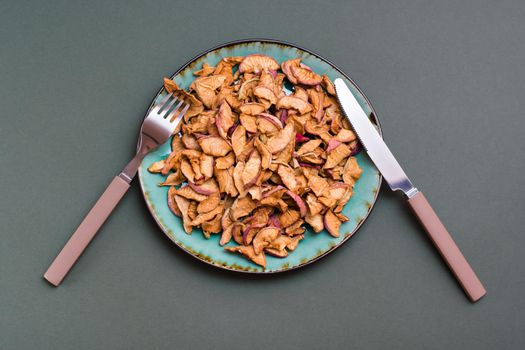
314	245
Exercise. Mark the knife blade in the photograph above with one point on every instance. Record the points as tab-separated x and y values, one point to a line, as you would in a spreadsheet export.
396	178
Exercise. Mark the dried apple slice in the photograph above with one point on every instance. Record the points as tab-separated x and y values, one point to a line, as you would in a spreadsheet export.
305	76
214	146
206	165
209	204
205	88
238	140
257	63
289	217
293	244
317	184
173	179
299	201
237	232
351	171
266	156
201	218
183	204
332	223
207	188
171	201
291	102
248	252
336	156
280	242
286	67
252	108
250	231
309	146
242	207
345	135
205	70
279	142
264	237
190	142
188	193
328	85
187	170
227	225
276	253
252	169
249	122
237	178
316	222
265	93
225	180
287	175
170	86
225	162
156	167
224	119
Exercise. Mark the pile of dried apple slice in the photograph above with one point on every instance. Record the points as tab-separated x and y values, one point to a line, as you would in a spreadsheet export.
255	164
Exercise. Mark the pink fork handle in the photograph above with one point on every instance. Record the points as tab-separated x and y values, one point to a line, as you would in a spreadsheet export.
86	231
447	247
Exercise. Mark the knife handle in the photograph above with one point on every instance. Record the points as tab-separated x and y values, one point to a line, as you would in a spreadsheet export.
447	247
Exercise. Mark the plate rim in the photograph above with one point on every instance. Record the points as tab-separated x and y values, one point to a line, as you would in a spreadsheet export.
315	258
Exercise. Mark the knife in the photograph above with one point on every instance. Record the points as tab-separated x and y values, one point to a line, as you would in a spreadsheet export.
396	178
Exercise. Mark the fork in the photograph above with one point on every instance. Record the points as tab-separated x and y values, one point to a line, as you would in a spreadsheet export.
158	126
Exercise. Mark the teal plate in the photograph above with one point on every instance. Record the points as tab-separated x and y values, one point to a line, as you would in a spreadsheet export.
314	245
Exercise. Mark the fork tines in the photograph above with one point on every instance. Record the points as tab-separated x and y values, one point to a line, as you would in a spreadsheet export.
167	109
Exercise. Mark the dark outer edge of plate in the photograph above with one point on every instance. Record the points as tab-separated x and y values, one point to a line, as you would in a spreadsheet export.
375	120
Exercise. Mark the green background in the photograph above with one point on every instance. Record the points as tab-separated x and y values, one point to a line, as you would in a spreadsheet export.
446	79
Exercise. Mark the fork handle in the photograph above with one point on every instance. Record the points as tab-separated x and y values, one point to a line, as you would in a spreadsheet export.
447	247
86	231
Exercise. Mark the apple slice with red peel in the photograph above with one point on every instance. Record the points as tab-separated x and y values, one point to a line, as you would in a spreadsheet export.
264	237
207	188
272	119
332	223
286	67
250	232
183	204
299	201
332	144
237	232
171	201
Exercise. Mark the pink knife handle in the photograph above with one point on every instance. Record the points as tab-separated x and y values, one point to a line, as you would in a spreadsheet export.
86	231
447	247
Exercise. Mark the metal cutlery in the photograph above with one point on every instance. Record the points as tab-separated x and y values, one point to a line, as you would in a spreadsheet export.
399	181
158	126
